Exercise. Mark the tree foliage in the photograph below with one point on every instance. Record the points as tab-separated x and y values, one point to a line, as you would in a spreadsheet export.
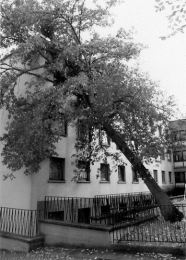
176	14
74	75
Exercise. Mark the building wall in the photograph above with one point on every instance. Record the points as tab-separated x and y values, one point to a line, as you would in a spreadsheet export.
14	193
41	186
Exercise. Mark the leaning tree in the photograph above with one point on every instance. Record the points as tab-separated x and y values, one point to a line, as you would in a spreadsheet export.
74	73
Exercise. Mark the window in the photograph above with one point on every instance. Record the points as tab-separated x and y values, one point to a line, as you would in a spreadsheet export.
104	139
57	169
83	131
180	177
163	177
162	156
169	158
104	168
170	177
84	215
121	173
184	156
134	176
178	157
63	126
60	126
155	173
84	167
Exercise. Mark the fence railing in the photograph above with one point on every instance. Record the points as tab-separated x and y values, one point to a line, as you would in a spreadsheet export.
98	210
154	229
19	221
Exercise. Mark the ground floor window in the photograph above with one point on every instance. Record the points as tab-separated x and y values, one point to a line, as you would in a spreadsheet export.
180	177
170	177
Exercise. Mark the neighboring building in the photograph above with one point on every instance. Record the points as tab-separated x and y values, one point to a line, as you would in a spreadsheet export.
178	135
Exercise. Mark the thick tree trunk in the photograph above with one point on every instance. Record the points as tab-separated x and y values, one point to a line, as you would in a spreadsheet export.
168	210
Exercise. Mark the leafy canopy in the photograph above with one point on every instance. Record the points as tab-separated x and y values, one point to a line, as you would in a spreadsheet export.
56	66
176	14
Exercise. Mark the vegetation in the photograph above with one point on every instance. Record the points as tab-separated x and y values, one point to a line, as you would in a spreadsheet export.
57	67
176	14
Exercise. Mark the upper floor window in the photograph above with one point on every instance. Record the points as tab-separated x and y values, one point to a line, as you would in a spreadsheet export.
179	135
60	126
104	169
184	156
155	173
57	169
178	156
83	131
84	168
169	156
163	177
135	178
162	156
104	139
121	173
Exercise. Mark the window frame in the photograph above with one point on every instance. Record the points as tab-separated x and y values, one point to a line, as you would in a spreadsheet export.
85	169
107	177
135	178
155	175
54	163
121	171
163	177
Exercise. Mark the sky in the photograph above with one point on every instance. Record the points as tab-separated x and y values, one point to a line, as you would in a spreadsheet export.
164	60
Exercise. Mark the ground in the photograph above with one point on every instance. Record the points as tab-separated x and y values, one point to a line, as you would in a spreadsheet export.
58	253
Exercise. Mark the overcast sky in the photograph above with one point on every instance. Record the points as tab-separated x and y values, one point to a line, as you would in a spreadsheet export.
165	60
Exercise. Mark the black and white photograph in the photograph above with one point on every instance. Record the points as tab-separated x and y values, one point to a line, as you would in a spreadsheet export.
92	129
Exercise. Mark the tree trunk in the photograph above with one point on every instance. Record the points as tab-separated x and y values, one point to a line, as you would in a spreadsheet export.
168	210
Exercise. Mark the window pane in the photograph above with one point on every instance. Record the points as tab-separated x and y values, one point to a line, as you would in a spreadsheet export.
83	131
121	173
104	168
162	156
134	176
169	158
184	155
170	177
104	139
178	156
57	168
155	172
84	167
163	177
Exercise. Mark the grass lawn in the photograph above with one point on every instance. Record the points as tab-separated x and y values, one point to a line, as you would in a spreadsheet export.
49	253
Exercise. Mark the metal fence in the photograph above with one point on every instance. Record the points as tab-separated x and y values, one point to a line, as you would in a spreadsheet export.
156	229
105	210
19	221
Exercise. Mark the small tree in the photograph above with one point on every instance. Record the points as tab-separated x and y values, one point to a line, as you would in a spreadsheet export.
77	78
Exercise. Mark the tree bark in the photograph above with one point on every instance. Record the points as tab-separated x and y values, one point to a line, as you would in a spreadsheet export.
168	210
